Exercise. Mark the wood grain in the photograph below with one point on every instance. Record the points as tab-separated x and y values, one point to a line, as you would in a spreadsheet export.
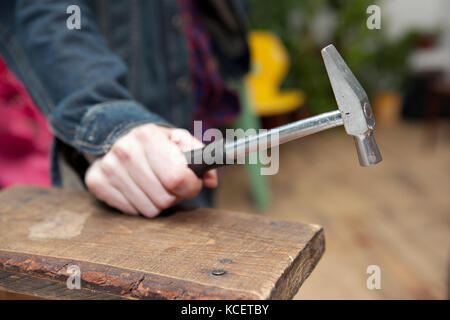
19	286
43	231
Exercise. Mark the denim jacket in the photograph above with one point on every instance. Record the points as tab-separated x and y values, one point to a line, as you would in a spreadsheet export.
125	67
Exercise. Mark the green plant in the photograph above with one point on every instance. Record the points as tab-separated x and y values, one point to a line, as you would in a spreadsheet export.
376	61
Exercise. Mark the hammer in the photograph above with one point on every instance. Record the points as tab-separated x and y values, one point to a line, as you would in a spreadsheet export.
354	112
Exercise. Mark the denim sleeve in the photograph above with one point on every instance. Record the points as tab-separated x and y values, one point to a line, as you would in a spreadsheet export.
89	105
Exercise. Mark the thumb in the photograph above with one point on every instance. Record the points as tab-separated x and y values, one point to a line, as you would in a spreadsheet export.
184	140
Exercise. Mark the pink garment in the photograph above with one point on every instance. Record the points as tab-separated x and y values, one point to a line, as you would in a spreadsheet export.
25	137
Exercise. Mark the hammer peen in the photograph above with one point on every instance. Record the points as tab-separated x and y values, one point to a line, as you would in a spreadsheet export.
354	112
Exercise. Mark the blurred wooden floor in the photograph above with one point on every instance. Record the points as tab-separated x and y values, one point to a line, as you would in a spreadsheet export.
395	215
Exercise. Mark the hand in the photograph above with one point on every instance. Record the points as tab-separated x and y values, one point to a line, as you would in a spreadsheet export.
146	171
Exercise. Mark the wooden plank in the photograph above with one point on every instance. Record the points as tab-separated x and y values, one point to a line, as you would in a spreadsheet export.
9	295
190	254
33	287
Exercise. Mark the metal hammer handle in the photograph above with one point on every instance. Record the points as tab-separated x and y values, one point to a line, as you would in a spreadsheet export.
200	161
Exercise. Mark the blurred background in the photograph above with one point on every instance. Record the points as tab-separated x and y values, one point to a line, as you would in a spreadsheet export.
395	215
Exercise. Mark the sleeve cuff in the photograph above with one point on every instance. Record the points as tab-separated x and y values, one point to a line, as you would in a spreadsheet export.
104	123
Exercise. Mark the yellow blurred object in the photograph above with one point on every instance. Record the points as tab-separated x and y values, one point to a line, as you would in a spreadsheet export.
387	107
270	64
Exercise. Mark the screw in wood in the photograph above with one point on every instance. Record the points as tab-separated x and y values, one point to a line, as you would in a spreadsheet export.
218	272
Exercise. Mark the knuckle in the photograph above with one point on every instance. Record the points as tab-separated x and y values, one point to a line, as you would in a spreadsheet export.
108	166
174	179
142	133
147	133
93	182
182	135
121	150
96	185
195	189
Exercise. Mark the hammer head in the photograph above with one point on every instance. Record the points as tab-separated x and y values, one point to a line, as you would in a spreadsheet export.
354	105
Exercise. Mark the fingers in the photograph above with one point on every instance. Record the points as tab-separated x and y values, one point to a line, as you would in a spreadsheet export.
210	179
144	177
146	171
118	177
99	186
170	165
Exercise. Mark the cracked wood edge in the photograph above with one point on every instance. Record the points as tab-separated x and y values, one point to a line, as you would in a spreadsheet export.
38	288
299	270
115	281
